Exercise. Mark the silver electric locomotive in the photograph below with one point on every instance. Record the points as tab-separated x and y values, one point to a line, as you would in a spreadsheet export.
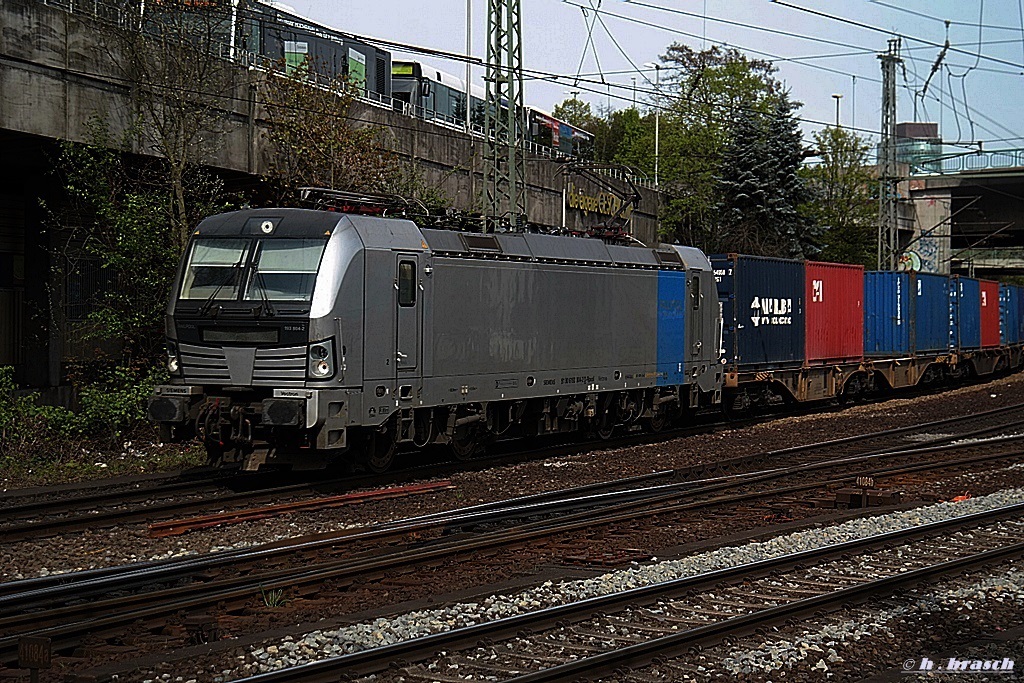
300	336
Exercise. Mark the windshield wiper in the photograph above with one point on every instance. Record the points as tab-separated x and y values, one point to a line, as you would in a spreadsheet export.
264	296
204	309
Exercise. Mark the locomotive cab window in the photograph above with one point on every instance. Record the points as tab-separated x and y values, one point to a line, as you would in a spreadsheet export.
213	269
695	294
406	283
285	269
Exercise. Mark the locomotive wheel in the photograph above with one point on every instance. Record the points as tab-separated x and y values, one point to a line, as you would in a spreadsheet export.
658	422
380	449
465	444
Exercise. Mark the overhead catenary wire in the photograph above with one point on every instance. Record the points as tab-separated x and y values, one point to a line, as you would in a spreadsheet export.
925	15
774	57
538	75
627	89
877	29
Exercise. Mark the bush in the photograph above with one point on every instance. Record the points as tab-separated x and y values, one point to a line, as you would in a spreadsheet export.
111	409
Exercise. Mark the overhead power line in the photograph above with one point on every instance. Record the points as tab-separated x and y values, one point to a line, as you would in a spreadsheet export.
877	29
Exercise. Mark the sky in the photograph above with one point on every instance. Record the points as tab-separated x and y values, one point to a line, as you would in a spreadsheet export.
975	95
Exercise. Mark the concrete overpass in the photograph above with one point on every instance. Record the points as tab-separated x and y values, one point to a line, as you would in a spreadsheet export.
54	77
965	213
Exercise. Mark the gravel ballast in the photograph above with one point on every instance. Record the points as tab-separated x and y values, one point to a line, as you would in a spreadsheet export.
385	631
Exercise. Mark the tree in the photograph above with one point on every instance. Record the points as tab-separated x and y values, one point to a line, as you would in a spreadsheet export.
118	240
842	199
705	99
313	141
575	112
181	85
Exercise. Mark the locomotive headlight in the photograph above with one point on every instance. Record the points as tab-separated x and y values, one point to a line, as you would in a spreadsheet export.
321	359
173	362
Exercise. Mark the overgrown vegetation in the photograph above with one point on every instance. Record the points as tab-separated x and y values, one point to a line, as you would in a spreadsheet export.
106	435
314	141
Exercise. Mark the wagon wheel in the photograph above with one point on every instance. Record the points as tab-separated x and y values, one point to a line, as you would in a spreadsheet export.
381	444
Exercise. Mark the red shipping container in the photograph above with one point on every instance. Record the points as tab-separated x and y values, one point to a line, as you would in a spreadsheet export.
989	313
835	312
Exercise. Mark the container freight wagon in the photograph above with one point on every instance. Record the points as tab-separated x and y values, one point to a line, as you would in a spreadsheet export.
931	311
765	328
989	313
1011	312
888	317
762	312
965	314
834	319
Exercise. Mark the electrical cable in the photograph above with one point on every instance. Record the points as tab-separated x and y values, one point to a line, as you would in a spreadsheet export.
845	20
740	24
537	74
776	57
590	42
935	18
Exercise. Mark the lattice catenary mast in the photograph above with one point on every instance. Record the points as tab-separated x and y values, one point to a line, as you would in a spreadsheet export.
888	176
505	164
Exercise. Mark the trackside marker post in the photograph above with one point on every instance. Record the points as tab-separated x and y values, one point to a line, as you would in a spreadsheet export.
33	654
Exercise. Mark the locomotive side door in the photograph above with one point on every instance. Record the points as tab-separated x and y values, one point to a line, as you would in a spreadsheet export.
408	307
696	314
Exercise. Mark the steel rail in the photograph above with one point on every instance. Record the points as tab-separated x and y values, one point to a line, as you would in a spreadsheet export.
43	528
613	504
377	659
235	588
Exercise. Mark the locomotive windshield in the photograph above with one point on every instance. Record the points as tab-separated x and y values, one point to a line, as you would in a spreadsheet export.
284	270
272	269
213	269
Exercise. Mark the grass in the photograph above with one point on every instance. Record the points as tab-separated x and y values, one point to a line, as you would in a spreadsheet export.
85	459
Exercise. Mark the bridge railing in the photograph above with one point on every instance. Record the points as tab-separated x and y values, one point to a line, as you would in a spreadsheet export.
967	162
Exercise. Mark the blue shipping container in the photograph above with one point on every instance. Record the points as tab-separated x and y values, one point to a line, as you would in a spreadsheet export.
932	314
762	311
965	320
887	314
1010	304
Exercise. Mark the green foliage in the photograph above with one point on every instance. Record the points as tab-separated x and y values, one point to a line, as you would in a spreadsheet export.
109	408
117	403
843	199
122	214
729	150
273	598
575	112
713	101
45	444
759	188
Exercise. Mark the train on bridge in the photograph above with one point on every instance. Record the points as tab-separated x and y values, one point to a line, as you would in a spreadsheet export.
301	337
271	34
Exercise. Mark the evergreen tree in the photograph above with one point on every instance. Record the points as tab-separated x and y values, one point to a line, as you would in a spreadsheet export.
760	189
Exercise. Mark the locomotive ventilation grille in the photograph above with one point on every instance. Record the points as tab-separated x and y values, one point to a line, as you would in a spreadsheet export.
244	366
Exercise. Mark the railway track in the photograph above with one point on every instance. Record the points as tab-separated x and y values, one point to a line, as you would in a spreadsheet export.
59	607
647	633
174	497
